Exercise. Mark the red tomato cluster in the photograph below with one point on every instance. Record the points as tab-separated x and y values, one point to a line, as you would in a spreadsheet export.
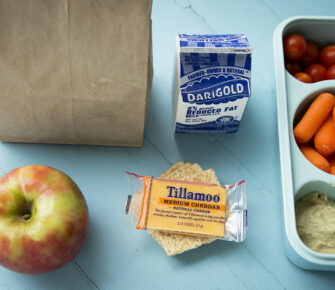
305	62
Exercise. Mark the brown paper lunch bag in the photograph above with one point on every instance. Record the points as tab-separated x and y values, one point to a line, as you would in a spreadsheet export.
75	71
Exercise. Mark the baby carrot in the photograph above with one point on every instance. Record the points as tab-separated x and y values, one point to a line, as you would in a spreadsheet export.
334	114
315	157
332	165
313	118
332	161
324	139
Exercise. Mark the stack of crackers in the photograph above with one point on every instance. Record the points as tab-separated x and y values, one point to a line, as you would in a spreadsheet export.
172	243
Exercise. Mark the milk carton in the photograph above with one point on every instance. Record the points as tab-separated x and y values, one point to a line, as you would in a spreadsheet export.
212	82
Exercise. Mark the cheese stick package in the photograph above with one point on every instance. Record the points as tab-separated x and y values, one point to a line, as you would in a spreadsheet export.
190	208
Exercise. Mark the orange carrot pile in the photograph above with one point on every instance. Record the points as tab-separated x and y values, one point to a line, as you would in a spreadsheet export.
318	123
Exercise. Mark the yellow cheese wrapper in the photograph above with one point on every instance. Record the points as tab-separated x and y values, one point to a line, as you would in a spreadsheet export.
183	207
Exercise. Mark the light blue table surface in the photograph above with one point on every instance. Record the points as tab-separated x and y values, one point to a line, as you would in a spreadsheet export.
117	257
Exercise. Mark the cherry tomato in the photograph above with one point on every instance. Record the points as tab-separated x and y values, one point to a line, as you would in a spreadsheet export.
295	47
330	73
316	71
311	56
293	67
303	77
327	55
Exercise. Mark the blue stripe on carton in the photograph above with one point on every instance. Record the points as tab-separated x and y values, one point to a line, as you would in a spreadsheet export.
219	40
247	64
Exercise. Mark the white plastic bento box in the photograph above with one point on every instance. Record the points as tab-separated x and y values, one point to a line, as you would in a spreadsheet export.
300	177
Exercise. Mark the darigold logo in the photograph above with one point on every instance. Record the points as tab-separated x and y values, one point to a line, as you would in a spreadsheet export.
216	90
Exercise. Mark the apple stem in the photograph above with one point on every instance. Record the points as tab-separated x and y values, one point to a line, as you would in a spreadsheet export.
27	216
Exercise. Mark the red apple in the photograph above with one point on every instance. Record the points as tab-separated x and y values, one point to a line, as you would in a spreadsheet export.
43	219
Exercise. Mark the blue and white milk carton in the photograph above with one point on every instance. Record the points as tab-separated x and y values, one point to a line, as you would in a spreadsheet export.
212	85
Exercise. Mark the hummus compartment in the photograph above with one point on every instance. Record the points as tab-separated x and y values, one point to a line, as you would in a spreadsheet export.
315	217
315	221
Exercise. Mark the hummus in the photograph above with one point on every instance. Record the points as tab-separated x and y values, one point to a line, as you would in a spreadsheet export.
315	219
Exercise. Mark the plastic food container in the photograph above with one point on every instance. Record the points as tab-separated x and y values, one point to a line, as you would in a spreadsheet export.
299	176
